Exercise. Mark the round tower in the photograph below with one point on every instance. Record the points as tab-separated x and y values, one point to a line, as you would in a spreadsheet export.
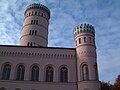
84	36
35	27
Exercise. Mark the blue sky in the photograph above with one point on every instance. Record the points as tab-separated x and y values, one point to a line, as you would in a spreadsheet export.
104	15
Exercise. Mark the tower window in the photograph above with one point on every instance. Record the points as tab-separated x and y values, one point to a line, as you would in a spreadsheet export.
94	41
31	21
85	72
76	42
31	44
90	39
96	72
49	74
79	40
28	44
6	72
32	32
35	13
36	21
63	74
20	72
85	40
35	73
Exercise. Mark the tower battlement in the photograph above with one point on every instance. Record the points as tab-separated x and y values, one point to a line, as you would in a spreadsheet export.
84	28
37	6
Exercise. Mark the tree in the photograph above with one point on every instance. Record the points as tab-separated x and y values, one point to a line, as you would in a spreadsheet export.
117	83
105	86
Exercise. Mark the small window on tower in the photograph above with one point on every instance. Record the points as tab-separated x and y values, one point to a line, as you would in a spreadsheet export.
31	21
85	40
79	40
90	39
35	32
93	41
28	44
32	32
36	21
35	13
76	42
31	44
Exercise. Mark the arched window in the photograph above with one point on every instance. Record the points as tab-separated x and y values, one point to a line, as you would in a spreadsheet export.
96	72
63	74
28	44
35	73
90	39
85	72
49	74
79	40
6	72
20	72
85	40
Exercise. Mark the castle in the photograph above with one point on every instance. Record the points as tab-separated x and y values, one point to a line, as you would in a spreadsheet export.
34	66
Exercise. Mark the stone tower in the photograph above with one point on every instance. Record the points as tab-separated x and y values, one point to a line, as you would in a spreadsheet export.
35	27
84	36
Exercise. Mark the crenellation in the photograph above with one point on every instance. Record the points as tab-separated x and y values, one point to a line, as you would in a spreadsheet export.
40	55
84	28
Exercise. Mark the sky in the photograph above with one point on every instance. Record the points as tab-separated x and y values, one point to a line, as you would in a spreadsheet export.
104	15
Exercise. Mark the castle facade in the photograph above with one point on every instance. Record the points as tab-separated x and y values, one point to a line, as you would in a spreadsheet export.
34	66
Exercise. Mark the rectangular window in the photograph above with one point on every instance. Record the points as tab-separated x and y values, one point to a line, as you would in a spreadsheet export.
36	21
31	21
35	32
85	40
76	42
79	40
90	39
